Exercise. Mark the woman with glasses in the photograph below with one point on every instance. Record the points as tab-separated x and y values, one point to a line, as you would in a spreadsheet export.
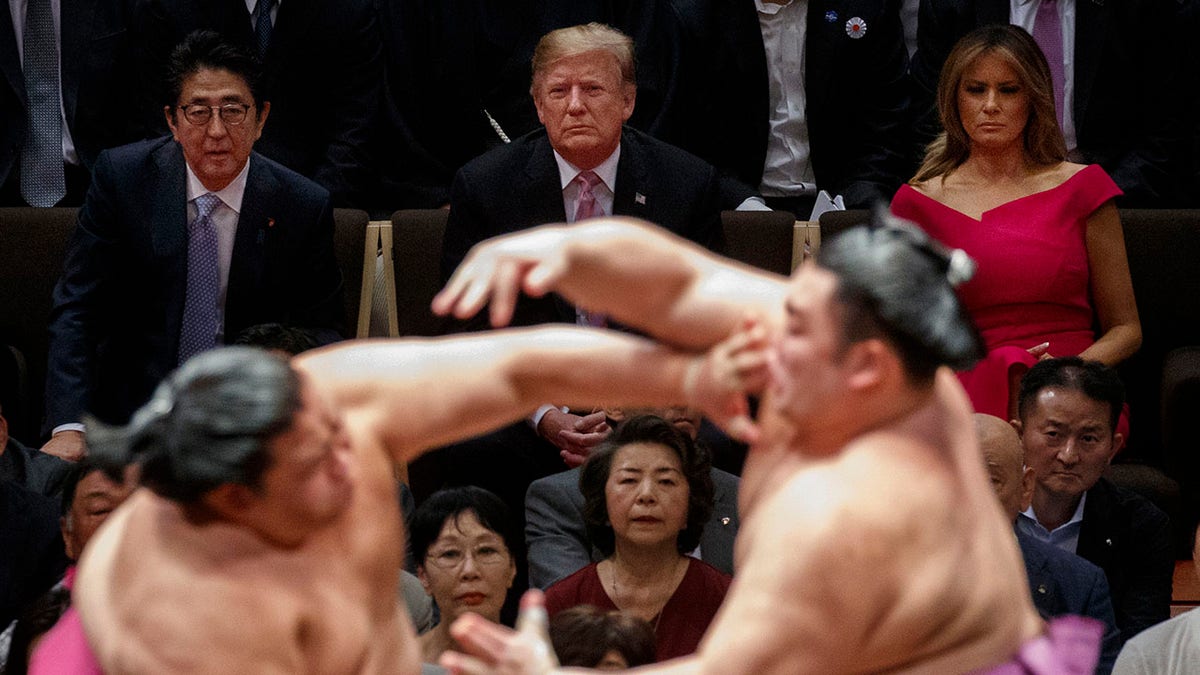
647	494
461	540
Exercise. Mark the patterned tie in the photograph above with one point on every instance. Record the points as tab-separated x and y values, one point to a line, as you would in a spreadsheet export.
1047	32
42	179
262	26
587	208
200	312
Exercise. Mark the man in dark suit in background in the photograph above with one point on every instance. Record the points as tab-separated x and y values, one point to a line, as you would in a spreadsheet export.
70	63
1122	82
1069	409
182	243
322	72
1060	583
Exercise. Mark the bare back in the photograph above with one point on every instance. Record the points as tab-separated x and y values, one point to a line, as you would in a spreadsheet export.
890	556
160	593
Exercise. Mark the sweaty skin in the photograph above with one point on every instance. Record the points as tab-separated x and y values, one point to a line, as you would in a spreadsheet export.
871	540
163	588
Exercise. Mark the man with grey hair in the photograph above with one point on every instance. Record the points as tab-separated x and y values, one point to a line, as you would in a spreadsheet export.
583	163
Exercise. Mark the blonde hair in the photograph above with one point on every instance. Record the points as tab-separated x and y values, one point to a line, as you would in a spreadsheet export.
1043	140
576	40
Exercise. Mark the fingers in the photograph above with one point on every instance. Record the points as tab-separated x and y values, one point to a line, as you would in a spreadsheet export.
480	637
742	428
1039	350
533	615
572	459
541	279
462	664
505	288
592	421
581	441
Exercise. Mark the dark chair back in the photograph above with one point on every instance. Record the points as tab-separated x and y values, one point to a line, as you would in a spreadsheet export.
834	222
760	238
349	236
416	258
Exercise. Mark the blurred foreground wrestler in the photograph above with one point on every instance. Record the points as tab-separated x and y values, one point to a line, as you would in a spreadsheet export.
870	539
267	537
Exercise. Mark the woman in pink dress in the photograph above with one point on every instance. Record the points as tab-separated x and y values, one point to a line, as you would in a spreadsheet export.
1053	279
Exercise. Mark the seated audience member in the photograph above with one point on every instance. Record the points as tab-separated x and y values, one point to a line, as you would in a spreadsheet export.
34	470
1170	648
584	163
1112	79
1068	413
647	494
462	543
828	96
179	247
556	535
321	69
1044	231
1060	583
89	495
587	637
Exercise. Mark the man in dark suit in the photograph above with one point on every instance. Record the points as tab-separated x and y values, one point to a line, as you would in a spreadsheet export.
182	243
1068	411
322	72
1060	583
815	96
584	91
556	535
1124	73
89	90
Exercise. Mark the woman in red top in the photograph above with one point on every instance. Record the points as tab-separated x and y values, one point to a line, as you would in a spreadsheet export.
648	493
1044	231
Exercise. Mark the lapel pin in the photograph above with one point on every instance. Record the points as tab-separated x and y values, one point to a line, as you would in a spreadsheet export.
1042	589
856	27
1108	542
639	198
830	16
725	520
270	222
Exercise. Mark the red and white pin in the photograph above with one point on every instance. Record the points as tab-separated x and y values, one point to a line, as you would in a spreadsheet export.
856	27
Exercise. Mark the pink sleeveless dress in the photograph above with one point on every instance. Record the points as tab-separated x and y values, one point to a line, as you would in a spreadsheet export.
1033	282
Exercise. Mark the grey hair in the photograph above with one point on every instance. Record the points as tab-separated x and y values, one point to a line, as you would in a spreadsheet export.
207	424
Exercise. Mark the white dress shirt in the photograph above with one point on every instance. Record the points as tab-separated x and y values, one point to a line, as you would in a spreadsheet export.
787	171
1022	13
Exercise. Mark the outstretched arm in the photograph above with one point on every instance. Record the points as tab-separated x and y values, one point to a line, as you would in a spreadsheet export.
419	394
639	275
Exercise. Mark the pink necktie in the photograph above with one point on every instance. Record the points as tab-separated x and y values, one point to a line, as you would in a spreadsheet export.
1047	32
587	208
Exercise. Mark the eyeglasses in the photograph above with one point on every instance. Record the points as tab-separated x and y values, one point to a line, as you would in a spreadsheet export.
199	114
453	558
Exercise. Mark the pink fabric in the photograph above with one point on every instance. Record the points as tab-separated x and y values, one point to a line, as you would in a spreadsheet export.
587	199
1047	32
64	650
1033	283
1070	646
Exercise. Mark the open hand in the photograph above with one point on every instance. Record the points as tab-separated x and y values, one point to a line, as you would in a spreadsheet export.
719	381
496	650
496	271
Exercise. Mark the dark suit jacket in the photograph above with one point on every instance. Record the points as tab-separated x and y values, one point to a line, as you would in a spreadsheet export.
32	469
32	556
322	74
517	186
557	537
97	85
856	91
1125	74
1062	583
1129	538
114	330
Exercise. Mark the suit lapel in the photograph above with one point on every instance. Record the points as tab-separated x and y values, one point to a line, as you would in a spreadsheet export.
10	60
631	196
250	244
1095	535
544	193
73	46
291	26
167	189
1091	24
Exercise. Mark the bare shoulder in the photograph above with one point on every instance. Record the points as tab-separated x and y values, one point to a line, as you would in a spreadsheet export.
933	188
1053	175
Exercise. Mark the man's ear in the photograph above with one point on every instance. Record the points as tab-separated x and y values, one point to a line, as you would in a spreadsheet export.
1118	442
169	114
1028	482
1016	424
870	363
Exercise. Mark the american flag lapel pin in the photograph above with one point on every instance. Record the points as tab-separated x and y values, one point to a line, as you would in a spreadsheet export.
270	222
639	198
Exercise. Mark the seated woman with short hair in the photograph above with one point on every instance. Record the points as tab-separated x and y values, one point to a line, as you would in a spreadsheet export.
648	493
462	542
